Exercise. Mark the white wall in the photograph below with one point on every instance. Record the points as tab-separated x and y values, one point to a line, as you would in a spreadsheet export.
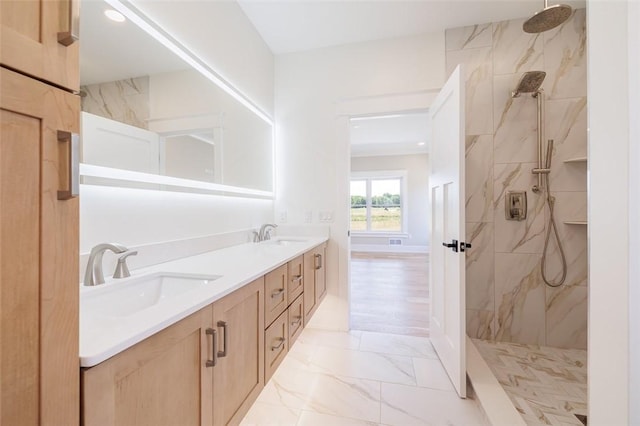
312	141
417	199
222	35
609	220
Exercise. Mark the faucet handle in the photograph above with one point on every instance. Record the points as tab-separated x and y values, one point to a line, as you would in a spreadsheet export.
122	270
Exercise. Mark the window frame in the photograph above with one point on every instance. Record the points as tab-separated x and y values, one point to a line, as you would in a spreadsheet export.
370	176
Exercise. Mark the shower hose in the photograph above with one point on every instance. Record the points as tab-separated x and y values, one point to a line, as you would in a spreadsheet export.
552	225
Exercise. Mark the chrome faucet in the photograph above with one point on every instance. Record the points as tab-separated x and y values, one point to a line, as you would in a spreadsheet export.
94	274
265	231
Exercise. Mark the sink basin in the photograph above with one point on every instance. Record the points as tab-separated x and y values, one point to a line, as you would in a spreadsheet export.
284	241
122	298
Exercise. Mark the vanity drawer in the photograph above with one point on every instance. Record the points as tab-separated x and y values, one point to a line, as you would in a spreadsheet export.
276	344
296	319
296	279
275	294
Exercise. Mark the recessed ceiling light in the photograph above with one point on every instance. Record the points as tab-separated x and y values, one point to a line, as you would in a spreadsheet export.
114	15
355	126
422	143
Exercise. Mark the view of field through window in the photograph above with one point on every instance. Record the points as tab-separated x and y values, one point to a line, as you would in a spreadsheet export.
376	205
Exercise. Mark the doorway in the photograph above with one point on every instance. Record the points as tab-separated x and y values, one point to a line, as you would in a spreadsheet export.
389	223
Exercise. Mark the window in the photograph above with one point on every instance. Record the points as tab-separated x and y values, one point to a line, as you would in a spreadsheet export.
377	203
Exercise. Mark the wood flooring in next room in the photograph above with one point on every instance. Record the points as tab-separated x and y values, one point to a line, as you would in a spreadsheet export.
390	293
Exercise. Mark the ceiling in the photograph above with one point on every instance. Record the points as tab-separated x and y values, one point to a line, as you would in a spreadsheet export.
396	134
295	25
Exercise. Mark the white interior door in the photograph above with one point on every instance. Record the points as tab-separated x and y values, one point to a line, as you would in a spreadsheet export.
447	272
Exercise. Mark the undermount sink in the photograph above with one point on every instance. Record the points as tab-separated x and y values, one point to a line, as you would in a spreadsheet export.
122	298
284	241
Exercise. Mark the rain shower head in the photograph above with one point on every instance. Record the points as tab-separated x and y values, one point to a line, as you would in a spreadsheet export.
547	19
530	82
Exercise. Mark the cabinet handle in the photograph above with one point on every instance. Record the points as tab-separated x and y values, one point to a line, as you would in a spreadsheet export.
279	345
318	264
296	279
277	293
67	38
212	332
223	353
74	165
297	321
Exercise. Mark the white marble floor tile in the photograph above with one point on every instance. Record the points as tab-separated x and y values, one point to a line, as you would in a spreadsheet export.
324	393
363	365
310	418
270	414
431	374
394	344
409	405
336	339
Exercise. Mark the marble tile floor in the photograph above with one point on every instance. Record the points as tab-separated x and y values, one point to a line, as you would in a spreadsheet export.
548	386
361	378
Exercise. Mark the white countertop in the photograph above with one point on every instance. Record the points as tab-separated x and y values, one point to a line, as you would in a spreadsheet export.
103	336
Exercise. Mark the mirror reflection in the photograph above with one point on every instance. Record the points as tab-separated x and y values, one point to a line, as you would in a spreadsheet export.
146	110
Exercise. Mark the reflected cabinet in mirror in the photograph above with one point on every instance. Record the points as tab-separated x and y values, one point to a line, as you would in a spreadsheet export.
147	111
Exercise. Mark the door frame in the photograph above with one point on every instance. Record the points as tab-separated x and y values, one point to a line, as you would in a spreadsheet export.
345	110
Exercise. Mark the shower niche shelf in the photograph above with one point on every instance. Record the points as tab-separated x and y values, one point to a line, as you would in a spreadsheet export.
576	160
575	222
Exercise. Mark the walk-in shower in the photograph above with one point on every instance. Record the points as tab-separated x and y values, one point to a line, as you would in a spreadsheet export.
530	83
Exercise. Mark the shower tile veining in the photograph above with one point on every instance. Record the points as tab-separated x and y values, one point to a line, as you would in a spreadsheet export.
548	386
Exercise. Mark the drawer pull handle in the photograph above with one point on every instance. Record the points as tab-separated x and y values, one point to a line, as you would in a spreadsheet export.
277	293
67	38
296	322
212	332
279	345
74	164
296	279
318	261
223	353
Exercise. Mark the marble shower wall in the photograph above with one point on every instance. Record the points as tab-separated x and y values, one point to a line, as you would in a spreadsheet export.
506	297
126	101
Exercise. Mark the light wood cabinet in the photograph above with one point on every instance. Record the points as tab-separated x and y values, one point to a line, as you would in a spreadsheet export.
239	371
276	344
315	281
295	270
29	32
295	315
39	373
275	293
159	381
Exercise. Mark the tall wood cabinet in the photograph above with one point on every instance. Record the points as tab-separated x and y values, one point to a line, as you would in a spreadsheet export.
39	372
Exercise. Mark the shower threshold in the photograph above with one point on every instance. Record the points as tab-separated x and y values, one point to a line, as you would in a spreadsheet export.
547	386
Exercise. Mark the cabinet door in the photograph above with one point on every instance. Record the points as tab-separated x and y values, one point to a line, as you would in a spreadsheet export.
276	345
275	294
29	39
239	371
38	256
160	381
320	272
309	294
296	278
295	317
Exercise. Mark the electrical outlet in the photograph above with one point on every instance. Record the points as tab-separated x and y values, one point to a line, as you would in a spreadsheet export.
326	216
283	216
308	216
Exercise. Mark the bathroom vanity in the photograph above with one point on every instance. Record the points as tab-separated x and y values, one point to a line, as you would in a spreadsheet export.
203	356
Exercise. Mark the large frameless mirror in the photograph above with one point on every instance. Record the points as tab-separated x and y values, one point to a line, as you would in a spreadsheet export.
153	113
